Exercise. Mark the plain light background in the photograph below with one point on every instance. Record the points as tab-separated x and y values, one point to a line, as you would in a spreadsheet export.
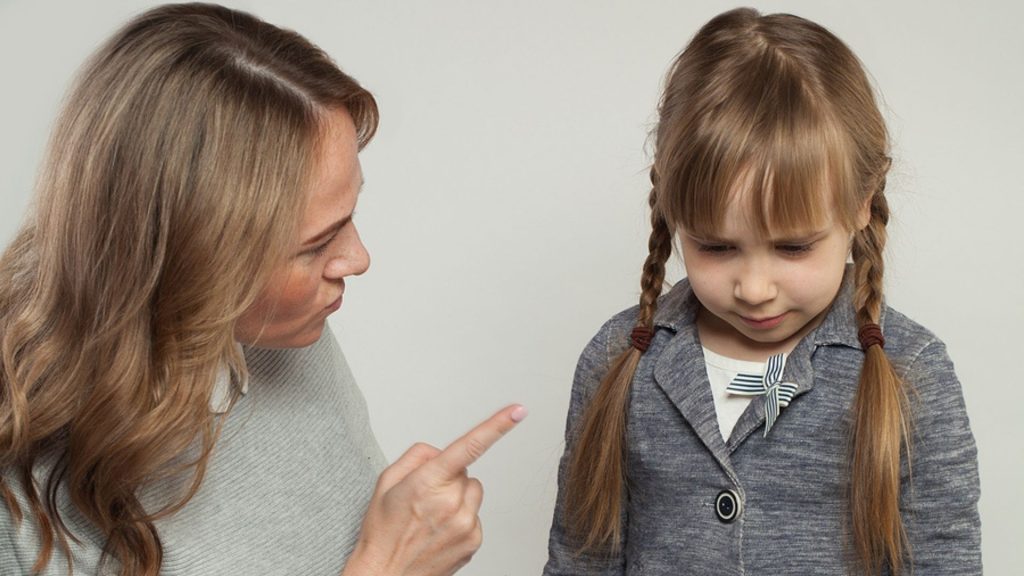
505	205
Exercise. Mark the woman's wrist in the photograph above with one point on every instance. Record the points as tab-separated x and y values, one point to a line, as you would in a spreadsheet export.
359	564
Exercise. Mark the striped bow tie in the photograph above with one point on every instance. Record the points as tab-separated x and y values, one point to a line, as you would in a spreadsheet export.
777	393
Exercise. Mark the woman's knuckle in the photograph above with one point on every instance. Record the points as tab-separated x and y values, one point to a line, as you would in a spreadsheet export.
464	523
476	538
423	449
475	449
445	505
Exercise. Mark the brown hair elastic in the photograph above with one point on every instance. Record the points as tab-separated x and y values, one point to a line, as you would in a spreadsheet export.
869	335
640	338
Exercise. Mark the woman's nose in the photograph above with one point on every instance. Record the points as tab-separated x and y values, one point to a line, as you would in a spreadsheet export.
352	258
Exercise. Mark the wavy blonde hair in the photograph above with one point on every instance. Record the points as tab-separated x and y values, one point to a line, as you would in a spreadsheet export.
173	185
784	102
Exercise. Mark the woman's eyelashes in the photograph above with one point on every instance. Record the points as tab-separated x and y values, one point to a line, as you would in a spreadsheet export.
321	249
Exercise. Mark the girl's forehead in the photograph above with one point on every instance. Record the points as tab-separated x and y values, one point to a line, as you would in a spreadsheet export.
758	209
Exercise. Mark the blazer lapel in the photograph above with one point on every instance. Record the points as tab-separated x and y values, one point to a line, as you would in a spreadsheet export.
682	376
839	327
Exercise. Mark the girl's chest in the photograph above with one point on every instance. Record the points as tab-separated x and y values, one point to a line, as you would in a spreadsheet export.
787	489
674	440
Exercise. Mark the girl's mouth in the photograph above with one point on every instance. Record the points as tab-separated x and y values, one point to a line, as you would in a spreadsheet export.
765	323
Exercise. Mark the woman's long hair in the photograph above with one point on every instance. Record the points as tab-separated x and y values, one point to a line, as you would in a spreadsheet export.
174	183
783	102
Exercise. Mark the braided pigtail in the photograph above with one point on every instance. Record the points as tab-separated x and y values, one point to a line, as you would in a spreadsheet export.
880	432
597	473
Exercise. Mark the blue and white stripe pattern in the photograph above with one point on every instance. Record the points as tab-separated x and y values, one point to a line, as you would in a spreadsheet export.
777	394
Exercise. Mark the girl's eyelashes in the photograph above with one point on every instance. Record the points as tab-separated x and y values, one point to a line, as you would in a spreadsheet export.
713	249
789	249
795	249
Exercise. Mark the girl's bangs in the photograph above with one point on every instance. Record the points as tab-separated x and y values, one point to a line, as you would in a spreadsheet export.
789	159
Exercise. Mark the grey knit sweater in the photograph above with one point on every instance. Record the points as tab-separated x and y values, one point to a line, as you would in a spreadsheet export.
285	490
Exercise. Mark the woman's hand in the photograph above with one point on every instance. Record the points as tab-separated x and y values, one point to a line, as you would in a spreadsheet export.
422	520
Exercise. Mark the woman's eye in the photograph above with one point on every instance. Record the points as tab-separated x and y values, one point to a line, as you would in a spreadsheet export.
320	250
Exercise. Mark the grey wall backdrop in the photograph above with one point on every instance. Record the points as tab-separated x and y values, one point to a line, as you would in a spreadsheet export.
505	205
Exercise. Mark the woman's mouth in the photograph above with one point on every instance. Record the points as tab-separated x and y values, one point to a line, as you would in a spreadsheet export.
333	306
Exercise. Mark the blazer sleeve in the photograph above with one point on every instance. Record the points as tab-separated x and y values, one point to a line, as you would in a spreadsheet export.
563	558
939	500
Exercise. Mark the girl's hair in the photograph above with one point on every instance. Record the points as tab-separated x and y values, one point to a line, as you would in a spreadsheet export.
175	180
780	102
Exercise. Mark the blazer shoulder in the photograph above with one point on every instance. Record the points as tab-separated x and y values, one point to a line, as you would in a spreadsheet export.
906	339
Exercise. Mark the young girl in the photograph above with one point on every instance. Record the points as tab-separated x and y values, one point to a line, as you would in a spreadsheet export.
769	414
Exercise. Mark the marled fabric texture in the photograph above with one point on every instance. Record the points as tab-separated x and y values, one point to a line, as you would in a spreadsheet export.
793	484
285	491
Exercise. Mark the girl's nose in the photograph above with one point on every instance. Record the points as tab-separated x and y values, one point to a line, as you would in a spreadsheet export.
755	286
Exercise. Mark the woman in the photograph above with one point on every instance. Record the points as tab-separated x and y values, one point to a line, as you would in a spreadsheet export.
169	399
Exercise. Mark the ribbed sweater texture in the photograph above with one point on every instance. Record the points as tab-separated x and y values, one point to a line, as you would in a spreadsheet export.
284	493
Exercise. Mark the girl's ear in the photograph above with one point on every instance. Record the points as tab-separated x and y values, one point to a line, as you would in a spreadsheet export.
864	214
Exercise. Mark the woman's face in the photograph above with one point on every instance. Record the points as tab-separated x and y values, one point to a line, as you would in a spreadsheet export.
291	310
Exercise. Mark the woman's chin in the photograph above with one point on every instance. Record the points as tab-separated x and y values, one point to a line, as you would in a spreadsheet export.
299	339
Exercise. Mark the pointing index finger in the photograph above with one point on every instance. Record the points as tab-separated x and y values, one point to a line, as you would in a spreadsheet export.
472	445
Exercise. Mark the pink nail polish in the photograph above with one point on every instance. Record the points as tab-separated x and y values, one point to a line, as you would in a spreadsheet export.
519	414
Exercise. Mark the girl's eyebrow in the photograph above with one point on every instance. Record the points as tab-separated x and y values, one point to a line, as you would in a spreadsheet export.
803	238
706	239
812	236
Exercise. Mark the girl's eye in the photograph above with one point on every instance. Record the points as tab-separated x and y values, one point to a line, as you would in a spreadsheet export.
714	249
794	249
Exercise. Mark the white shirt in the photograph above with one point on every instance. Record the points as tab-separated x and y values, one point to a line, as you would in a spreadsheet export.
721	372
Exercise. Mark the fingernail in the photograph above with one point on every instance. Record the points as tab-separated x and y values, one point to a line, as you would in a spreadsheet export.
519	414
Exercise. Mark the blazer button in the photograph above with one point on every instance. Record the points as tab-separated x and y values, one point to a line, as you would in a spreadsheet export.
728	506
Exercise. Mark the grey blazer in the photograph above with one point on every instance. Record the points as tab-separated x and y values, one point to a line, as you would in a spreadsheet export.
791	485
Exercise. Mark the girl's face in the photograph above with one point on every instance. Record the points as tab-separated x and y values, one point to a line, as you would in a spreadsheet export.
291	310
760	296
